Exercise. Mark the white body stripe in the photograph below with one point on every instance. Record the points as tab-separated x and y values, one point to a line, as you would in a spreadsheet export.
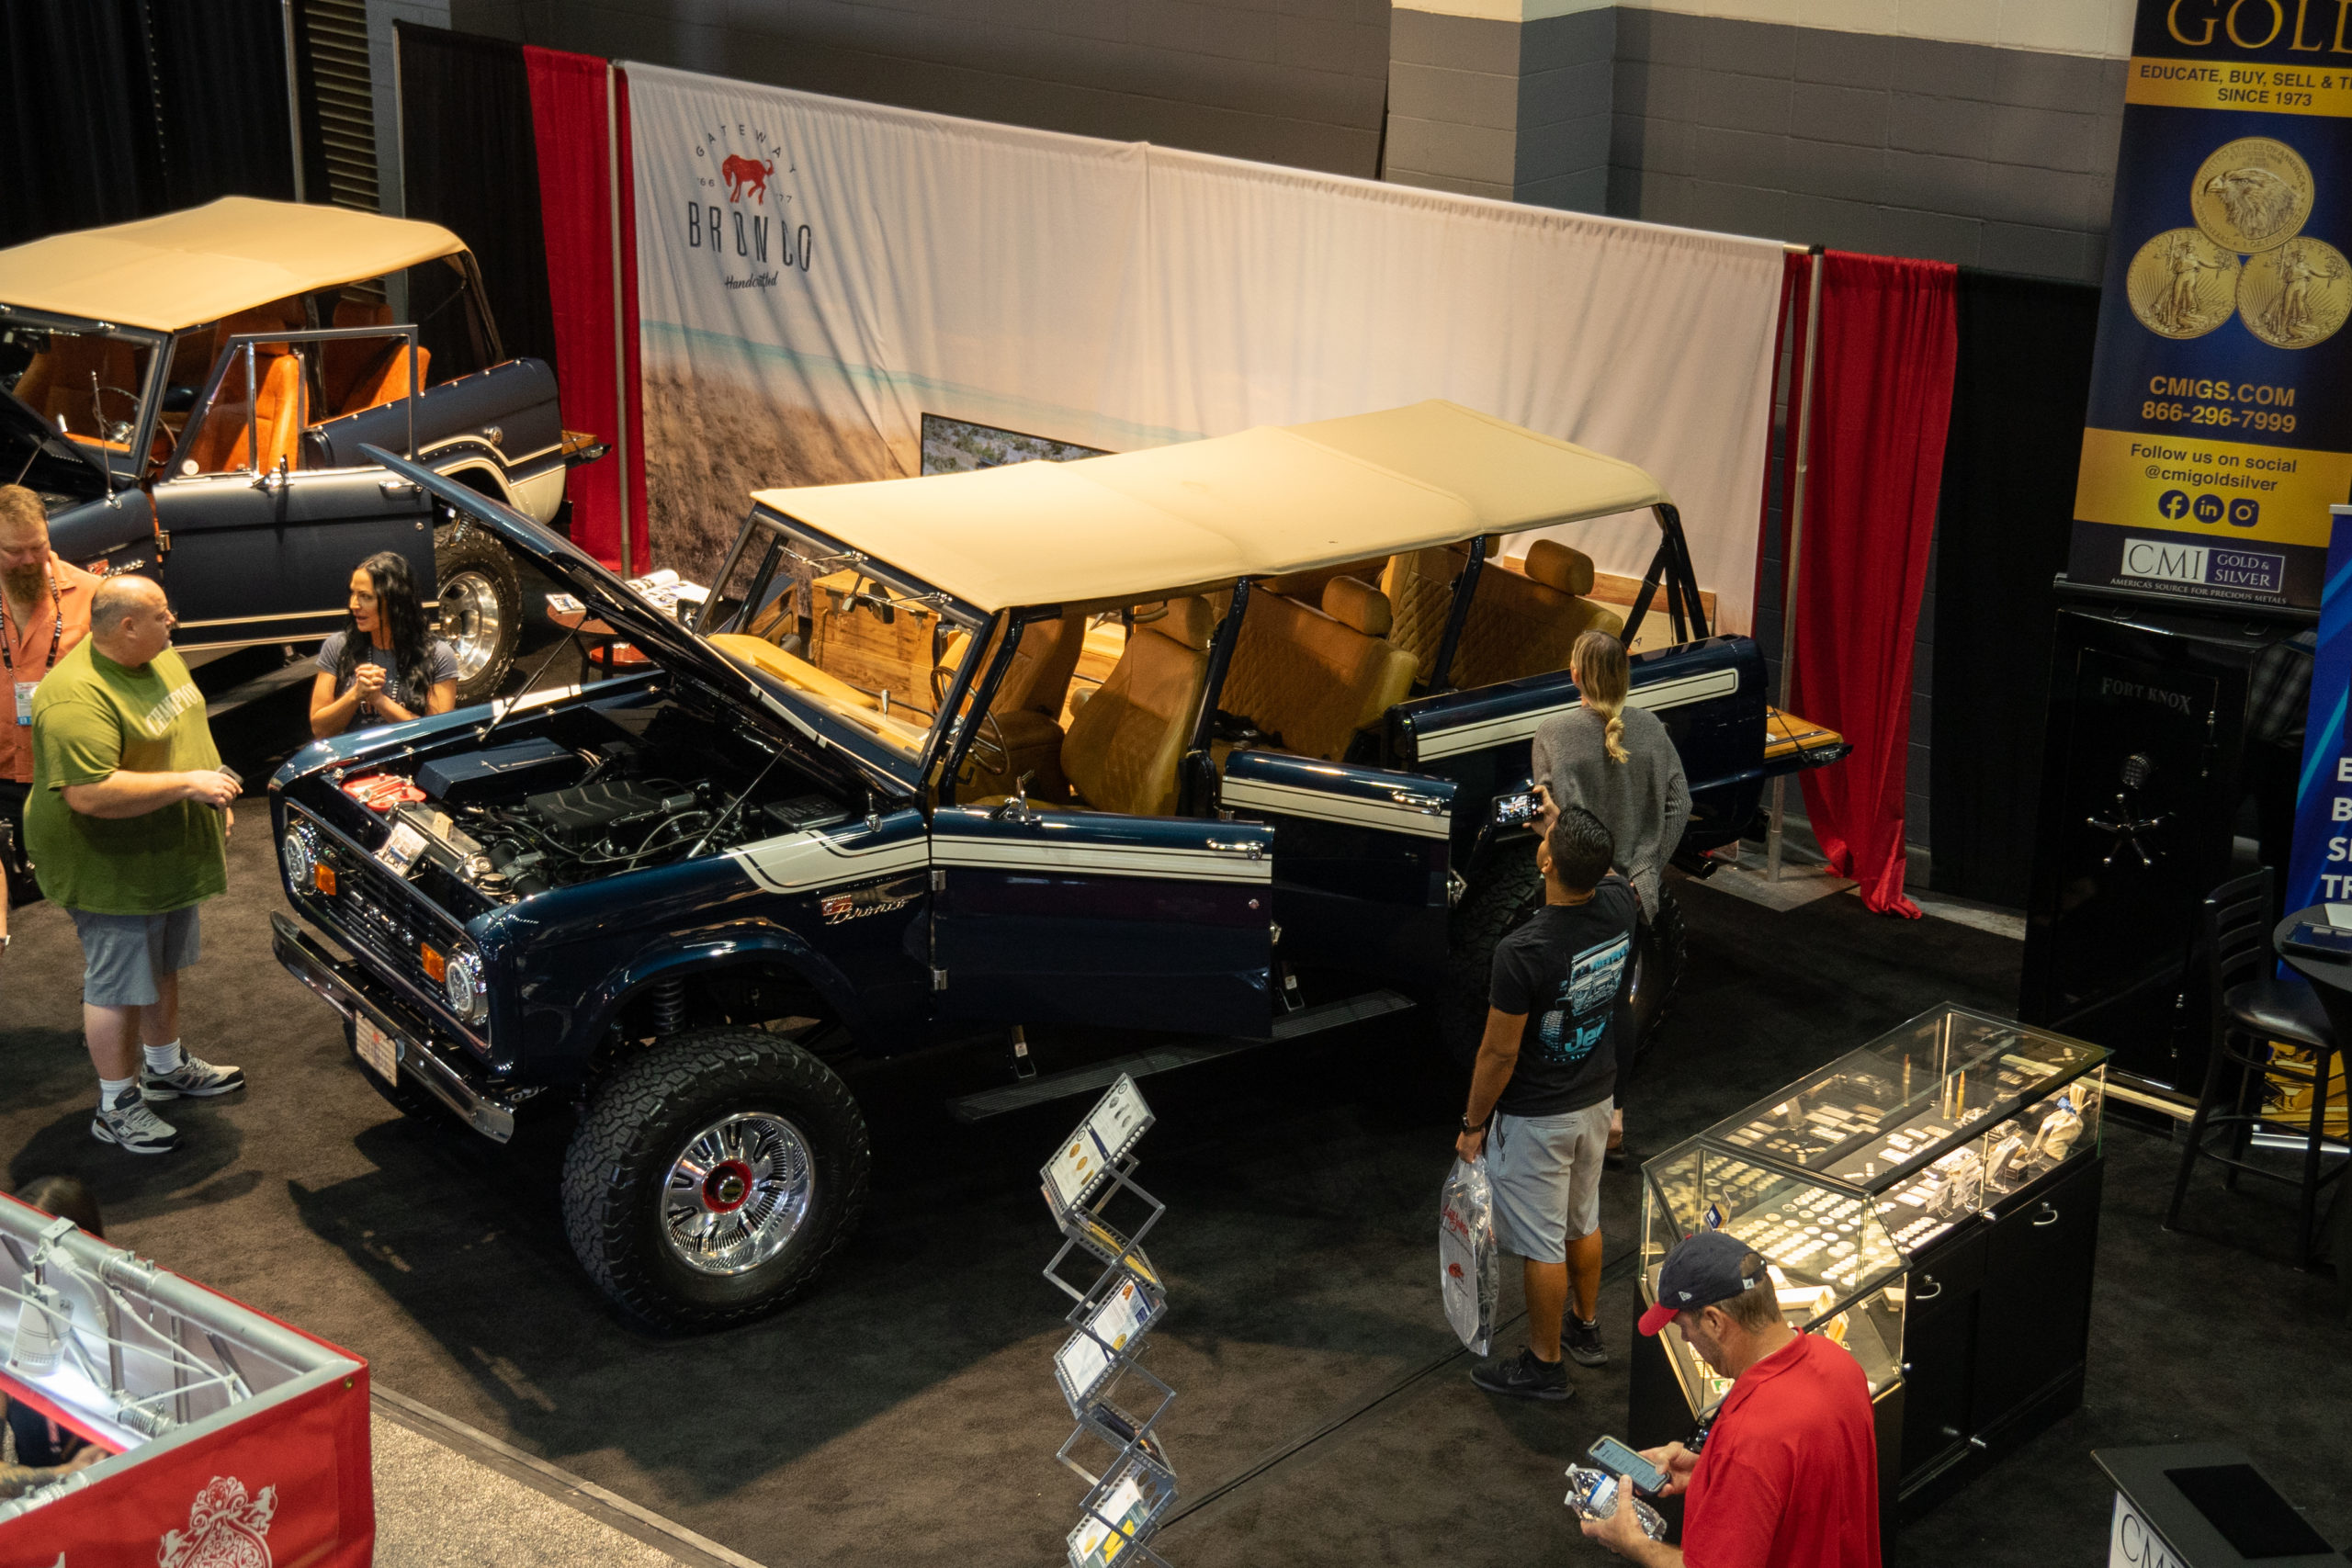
1114	860
1678	693
801	862
1258	794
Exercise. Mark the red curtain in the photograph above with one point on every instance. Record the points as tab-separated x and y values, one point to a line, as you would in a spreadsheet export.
1883	400
576	171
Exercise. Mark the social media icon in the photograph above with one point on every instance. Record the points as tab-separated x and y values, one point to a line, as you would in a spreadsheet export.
2173	503
2244	511
2208	508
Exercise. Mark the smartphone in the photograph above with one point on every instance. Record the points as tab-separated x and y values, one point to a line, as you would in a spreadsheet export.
1612	1455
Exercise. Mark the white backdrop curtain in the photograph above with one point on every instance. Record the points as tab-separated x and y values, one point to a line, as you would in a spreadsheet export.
865	265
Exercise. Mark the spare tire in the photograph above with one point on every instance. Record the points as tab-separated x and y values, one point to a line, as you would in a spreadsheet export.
482	607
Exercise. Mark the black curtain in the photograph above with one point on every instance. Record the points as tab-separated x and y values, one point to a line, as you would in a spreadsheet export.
220	82
2019	392
472	165
82	147
120	109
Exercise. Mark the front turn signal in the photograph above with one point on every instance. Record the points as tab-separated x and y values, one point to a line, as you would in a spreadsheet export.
322	878
436	967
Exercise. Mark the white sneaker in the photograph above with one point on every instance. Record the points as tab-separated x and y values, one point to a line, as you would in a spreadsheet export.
128	1124
193	1077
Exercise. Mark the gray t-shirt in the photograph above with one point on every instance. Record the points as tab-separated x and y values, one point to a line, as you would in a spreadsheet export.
440	659
1644	801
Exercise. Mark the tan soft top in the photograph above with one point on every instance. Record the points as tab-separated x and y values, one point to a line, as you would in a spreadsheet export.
1269	500
209	262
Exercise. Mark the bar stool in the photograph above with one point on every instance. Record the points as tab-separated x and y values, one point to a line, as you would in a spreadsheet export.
2250	1008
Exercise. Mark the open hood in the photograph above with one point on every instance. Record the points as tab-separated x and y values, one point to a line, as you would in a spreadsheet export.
610	600
46	460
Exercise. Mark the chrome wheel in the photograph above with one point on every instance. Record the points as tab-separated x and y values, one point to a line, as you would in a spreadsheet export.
738	1194
471	621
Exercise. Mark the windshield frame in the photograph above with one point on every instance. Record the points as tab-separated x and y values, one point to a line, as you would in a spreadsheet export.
765	528
158	347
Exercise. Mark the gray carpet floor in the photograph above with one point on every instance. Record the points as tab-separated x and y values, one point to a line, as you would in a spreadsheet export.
1323	1416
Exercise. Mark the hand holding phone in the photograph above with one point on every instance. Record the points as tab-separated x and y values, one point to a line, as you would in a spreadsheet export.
1616	1457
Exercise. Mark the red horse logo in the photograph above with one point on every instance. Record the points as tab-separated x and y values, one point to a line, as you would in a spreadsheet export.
747	176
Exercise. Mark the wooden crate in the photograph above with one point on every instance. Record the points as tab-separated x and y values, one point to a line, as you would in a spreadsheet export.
851	642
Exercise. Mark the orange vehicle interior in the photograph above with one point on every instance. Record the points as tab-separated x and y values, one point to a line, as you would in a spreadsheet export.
347	377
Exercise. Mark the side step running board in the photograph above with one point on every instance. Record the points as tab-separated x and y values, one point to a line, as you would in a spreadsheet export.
1167	1058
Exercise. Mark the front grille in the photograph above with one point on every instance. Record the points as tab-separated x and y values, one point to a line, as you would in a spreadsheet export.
376	912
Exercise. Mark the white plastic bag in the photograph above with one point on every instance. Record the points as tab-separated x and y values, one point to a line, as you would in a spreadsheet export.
1469	1268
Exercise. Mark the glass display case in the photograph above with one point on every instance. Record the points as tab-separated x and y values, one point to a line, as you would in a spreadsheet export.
1839	1181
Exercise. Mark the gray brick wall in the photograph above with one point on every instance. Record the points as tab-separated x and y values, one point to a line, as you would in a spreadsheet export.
1997	158
1298	82
1519	111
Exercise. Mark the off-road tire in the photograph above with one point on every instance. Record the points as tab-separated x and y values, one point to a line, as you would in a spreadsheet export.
403	1096
475	578
1509	891
640	1121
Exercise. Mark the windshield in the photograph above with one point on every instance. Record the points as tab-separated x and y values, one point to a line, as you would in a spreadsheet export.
87	384
874	648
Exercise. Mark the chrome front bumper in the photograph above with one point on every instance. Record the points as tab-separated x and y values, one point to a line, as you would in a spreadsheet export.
349	990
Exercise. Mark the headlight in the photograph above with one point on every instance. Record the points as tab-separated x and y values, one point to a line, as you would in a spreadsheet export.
462	980
300	857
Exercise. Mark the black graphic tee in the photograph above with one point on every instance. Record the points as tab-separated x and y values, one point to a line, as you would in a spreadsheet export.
1565	969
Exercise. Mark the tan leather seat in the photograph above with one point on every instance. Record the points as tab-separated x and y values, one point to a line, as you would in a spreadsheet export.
1521	623
1042	665
1311	679
1125	745
1420	586
1306	587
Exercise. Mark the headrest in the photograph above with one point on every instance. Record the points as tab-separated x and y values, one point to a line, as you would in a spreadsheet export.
362	313
1357	604
277	316
1554	564
1189	621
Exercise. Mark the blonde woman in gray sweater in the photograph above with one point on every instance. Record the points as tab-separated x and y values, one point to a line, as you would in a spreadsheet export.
1620	764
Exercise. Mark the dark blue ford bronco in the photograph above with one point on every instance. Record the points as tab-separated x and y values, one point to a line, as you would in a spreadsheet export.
1227	738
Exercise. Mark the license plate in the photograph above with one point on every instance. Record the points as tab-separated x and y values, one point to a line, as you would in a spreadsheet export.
380	1051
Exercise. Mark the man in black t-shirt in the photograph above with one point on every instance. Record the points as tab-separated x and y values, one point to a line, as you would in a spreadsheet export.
1545	1075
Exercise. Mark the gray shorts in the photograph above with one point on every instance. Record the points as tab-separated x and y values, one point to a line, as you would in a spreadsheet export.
123	954
1546	1176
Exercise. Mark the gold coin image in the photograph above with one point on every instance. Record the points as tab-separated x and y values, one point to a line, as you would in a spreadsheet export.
2297	295
2252	194
2182	284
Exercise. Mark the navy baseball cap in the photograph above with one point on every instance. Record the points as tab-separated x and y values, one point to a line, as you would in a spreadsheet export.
1701	1272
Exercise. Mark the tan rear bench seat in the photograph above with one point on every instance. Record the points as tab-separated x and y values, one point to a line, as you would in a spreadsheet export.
1314	677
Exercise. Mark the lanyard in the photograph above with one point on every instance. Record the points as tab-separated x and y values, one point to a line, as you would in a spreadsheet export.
56	633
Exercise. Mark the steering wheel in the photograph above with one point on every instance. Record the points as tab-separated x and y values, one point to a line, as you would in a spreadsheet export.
119	431
988	752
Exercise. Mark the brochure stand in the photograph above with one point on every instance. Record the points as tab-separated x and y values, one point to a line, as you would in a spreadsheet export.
1114	1447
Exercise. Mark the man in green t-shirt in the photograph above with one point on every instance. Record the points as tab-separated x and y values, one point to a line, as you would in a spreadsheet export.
127	826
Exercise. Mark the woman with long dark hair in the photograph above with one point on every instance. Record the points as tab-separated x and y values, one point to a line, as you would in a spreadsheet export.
385	665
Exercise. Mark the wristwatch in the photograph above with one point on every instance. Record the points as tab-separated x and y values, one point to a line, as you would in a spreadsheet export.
1468	1126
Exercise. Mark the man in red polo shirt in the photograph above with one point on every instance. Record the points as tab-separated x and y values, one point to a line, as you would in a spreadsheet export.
44	611
1788	1476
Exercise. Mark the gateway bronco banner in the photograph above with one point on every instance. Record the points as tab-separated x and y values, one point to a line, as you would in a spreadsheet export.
2220	428
816	276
